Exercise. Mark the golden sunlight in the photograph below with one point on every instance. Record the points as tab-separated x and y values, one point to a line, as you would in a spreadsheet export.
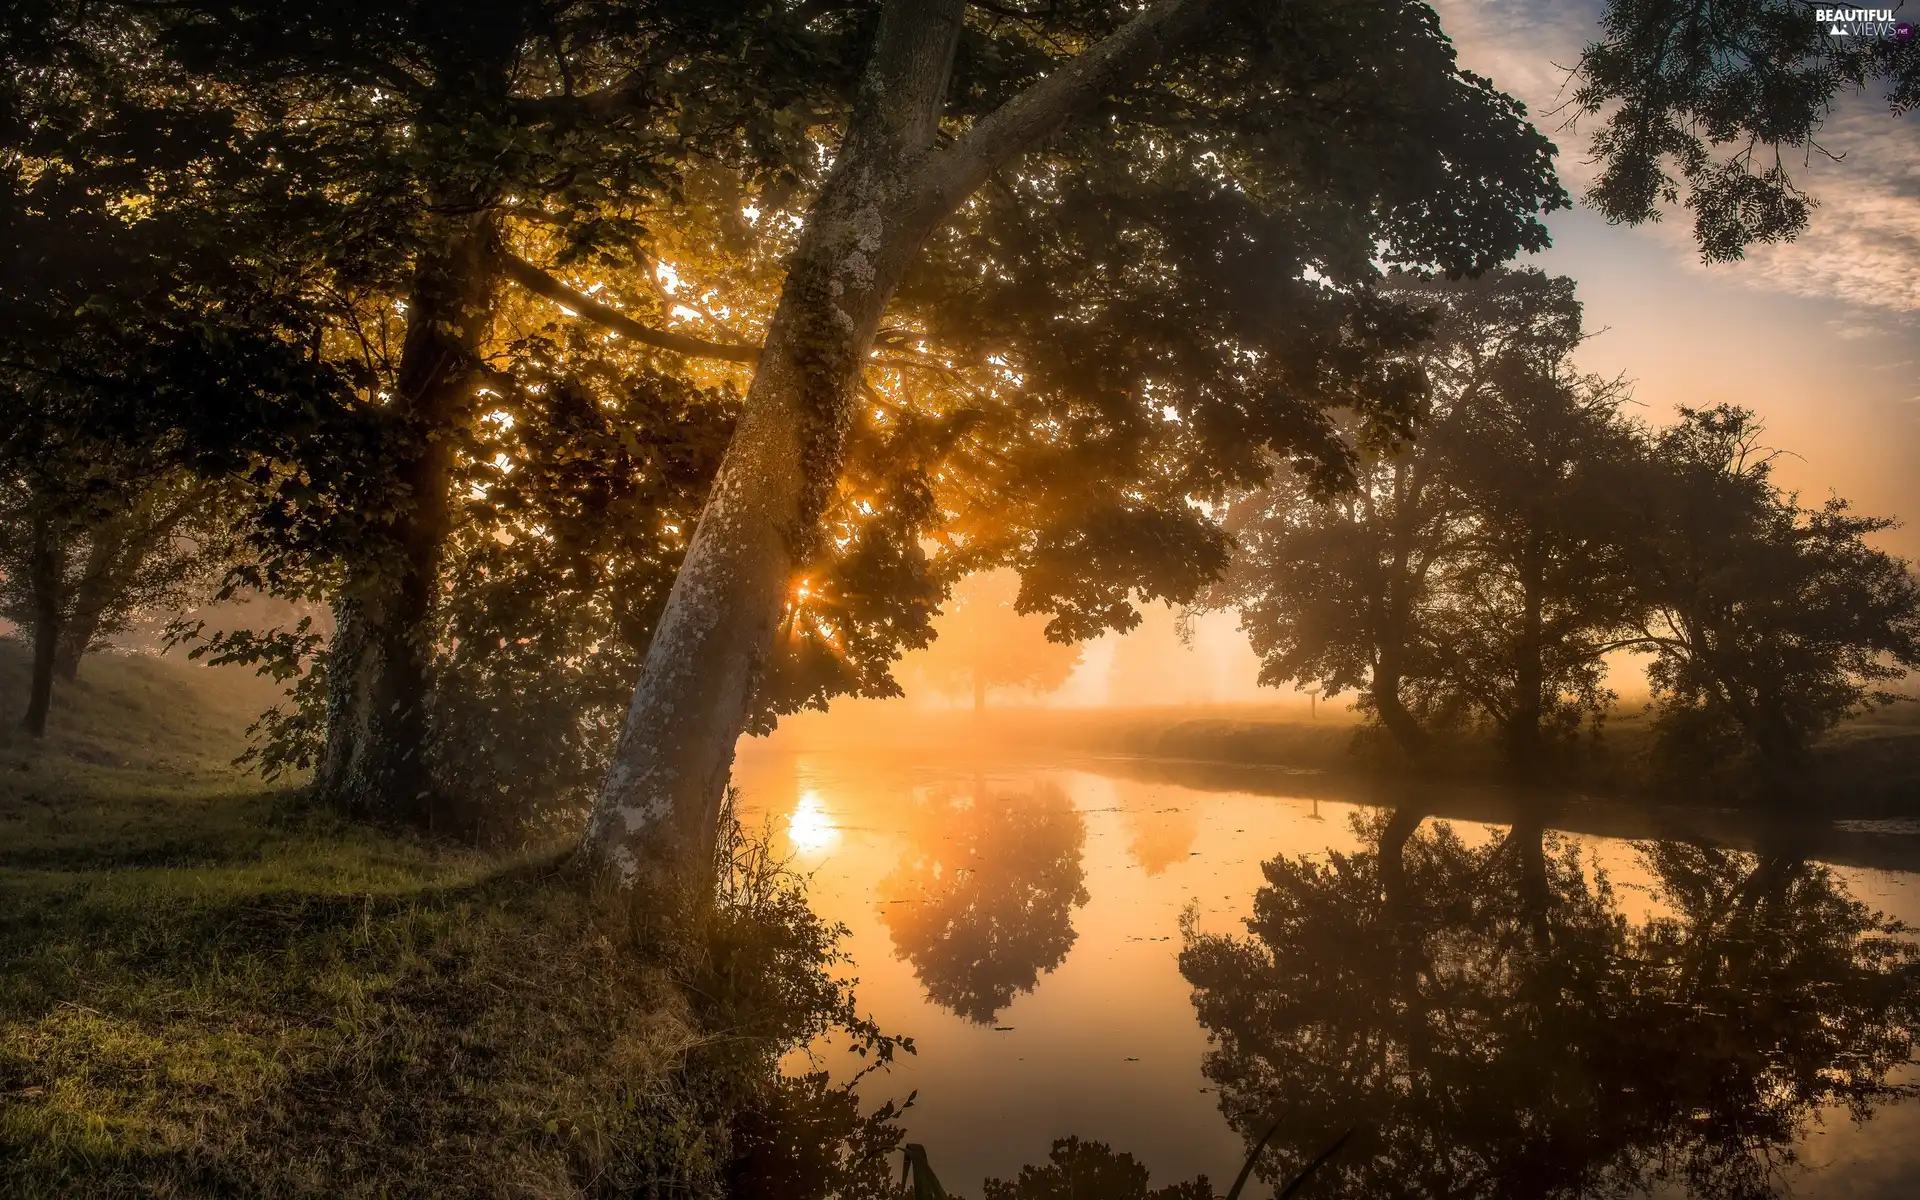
811	829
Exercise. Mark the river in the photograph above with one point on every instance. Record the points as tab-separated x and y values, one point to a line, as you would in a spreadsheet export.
1021	917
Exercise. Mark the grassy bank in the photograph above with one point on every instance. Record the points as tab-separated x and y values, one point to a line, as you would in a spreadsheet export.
1868	767
210	989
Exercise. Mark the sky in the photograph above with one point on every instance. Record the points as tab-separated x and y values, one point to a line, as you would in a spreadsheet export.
1821	337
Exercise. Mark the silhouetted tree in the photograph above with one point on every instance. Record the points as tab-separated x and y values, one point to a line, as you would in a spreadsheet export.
983	905
1497	1027
1536	588
1769	622
984	641
1708	103
1335	592
1474	573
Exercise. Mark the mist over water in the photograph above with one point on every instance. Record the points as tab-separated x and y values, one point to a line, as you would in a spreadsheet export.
1016	904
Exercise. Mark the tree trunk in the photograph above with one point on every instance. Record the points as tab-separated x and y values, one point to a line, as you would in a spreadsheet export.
1396	605
91	598
1400	828
1523	727
1536	896
72	648
43	570
661	800
1400	723
379	663
659	807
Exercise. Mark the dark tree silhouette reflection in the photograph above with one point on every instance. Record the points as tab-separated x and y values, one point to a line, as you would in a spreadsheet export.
983	905
1498	1028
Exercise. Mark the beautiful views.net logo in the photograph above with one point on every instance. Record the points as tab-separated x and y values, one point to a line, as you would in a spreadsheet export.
1863	22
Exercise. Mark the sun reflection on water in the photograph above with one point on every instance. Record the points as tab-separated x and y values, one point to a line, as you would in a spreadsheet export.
811	829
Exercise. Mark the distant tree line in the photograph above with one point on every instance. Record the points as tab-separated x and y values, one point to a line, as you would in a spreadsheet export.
1481	575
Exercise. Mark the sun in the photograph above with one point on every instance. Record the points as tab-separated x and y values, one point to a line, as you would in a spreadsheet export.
811	829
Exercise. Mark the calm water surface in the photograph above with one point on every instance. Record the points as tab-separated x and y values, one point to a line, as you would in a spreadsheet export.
1719	1022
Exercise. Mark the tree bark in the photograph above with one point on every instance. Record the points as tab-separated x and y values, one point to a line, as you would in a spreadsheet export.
1400	828
74	642
43	569
1536	896
91	598
1396	604
659	807
379	664
1523	728
1401	723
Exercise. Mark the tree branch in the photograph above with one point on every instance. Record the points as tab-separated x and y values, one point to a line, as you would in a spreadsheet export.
582	305
1050	105
624	93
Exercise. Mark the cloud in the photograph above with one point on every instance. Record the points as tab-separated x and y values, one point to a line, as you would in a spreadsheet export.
1863	246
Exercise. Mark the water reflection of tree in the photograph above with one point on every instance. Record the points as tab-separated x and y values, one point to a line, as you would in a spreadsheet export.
983	904
1160	837
1498	1028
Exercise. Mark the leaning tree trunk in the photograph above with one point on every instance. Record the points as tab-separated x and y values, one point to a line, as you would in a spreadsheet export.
43	578
661	800
75	640
659	807
91	598
380	660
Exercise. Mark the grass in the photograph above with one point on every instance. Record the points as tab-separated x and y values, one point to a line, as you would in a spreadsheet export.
1867	767
207	988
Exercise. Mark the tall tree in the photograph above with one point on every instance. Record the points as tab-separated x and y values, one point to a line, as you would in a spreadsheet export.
1538	588
1340	592
1769	622
1411	134
1474	573
984	642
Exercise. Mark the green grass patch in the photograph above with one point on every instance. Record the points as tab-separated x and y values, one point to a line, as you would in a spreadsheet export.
207	988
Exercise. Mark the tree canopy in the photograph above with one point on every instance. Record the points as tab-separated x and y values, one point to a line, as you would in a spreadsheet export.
488	309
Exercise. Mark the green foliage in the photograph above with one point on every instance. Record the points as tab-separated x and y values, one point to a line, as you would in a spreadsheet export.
1770	622
216	991
583	490
1473	575
1710	101
1181	289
